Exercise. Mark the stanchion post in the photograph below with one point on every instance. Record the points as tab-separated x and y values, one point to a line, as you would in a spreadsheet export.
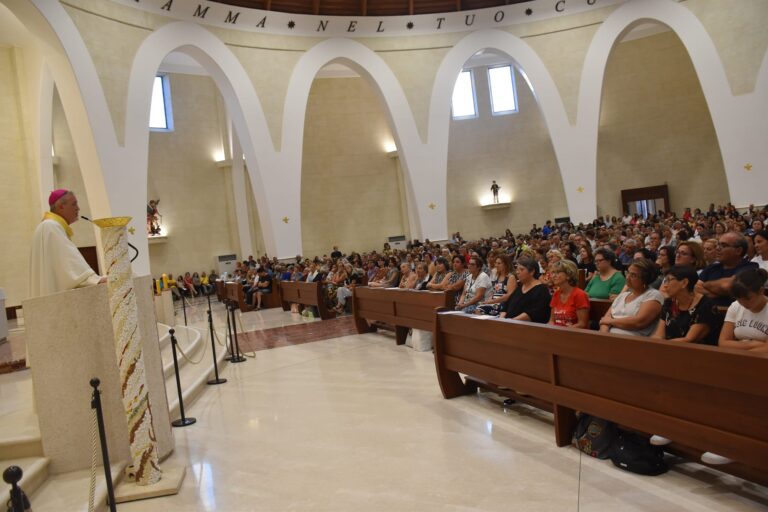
184	307
215	380
18	501
236	356
96	404
183	421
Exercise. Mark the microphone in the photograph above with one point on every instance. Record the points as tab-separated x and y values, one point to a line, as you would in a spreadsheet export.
129	243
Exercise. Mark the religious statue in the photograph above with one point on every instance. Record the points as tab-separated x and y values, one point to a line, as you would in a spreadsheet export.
495	189
153	218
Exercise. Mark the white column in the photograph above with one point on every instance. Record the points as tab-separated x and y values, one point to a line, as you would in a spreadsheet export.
241	202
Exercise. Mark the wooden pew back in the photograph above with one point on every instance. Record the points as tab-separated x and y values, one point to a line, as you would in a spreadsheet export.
236	295
305	294
404	309
703	397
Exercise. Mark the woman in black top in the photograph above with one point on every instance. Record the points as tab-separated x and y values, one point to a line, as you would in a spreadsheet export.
530	300
686	316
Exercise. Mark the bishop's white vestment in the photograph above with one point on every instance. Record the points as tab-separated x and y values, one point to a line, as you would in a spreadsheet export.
56	264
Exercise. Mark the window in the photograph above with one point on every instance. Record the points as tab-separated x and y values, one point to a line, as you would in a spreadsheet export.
160	113
502	83
464	101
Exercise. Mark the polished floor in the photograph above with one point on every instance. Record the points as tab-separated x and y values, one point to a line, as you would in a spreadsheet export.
356	423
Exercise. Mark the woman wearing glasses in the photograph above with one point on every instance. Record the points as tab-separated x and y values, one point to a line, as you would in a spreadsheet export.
690	254
476	285
607	282
686	316
635	311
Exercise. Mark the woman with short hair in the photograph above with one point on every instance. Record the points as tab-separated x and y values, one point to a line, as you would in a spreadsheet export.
686	316
569	305
709	247
635	311
530	300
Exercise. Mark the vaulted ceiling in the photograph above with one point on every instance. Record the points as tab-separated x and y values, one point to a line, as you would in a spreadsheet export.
368	7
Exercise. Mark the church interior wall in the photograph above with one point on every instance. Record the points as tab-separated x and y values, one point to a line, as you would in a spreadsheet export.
349	188
655	127
18	193
195	194
513	149
66	174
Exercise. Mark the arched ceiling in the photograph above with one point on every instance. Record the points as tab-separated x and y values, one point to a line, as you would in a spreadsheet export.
368	7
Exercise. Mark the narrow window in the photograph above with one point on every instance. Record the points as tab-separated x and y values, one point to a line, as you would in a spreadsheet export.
160	112
464	101
501	80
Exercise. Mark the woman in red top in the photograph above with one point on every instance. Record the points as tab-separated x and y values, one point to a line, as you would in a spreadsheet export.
569	305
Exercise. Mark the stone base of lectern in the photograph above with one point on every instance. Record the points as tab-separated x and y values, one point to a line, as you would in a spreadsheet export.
70	339
173	476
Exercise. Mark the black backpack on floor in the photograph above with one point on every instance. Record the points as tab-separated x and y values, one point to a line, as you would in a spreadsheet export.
595	436
634	453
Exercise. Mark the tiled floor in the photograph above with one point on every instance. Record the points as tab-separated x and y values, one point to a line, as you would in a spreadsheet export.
296	334
356	423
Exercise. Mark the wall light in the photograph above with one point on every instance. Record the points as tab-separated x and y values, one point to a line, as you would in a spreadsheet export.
218	156
389	146
487	199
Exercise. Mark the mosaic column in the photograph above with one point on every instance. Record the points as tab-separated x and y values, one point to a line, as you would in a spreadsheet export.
122	304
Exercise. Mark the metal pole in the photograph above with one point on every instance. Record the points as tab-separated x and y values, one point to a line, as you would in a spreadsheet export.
184	307
184	421
216	380
96	404
236	356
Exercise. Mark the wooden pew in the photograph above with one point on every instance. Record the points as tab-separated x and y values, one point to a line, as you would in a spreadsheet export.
404	309
597	309
221	291
236	295
305	294
704	398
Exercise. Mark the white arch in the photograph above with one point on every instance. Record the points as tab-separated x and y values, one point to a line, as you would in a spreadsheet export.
365	61
243	107
739	122
580	198
82	97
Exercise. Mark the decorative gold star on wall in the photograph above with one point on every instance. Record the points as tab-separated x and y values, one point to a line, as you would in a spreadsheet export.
580	189
431	206
286	219
132	230
748	167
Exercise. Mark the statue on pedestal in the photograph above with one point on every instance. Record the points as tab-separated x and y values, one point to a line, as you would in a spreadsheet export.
495	189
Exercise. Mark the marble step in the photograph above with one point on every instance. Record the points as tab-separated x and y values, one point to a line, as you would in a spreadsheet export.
35	472
193	376
191	341
69	491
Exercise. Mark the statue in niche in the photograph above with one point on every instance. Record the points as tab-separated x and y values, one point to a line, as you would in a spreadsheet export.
495	189
154	219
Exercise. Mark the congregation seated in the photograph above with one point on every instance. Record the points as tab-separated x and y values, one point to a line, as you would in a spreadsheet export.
407	276
686	316
391	277
586	260
690	254
503	286
477	286
454	281
716	279
607	282
760	244
665	258
746	321
262	287
440	273
569	305
530	300
635	311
